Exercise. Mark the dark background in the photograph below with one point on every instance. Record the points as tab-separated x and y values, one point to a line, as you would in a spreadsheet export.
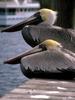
66	11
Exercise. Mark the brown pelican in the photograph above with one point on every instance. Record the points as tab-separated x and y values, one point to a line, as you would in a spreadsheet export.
47	60
44	29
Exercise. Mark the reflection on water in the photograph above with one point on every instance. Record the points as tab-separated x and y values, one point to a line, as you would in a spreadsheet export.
11	44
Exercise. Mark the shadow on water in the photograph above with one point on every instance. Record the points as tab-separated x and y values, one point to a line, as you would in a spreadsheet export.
11	44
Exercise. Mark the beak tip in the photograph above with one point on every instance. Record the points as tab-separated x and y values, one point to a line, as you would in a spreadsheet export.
2	30
5	62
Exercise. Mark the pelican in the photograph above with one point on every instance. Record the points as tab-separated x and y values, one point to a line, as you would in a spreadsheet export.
49	59
40	27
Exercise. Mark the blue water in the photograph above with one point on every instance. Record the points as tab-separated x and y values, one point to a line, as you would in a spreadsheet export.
11	76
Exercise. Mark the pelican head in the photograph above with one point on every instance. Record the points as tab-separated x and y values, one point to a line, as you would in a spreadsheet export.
51	44
44	15
46	45
48	16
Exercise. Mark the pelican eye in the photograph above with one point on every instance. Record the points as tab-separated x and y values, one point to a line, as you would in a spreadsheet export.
43	47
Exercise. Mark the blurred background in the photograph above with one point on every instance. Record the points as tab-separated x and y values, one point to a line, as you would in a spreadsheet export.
11	44
17	10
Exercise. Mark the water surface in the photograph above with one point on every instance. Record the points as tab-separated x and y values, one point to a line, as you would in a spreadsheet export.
11	44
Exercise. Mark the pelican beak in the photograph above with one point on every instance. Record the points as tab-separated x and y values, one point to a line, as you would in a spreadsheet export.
17	59
33	20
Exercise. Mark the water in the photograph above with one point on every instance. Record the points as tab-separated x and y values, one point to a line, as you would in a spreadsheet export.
11	76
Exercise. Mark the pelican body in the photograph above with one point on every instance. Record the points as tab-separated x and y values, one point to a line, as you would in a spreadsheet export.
34	35
47	60
43	21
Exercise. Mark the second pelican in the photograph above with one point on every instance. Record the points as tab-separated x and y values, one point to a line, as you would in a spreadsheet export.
47	60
